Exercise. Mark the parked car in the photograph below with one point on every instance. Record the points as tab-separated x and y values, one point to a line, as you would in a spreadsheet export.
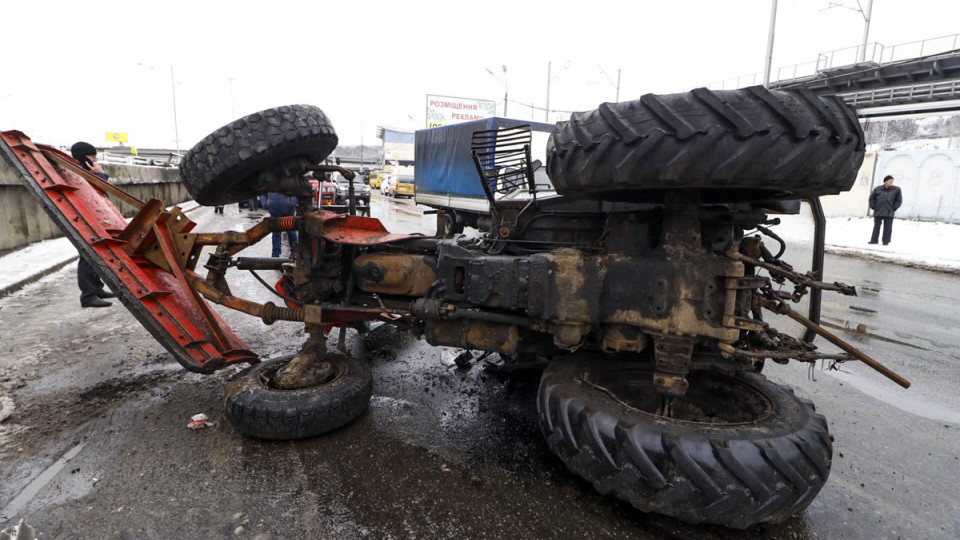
398	186
360	190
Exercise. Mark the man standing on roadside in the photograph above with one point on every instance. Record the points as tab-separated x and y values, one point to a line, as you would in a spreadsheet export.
92	293
884	201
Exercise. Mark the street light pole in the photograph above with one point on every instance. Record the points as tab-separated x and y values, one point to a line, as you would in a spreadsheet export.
176	129
505	100
866	30
769	60
618	87
546	112
504	81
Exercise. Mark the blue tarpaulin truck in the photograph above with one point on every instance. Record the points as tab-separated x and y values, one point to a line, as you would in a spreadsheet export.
446	178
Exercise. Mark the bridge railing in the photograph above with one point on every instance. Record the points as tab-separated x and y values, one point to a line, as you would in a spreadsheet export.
890	96
874	53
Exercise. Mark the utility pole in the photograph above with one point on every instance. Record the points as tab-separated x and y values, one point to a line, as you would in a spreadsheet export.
617	85
546	115
176	129
546	112
504	81
866	30
862	53
769	59
505	100
617	99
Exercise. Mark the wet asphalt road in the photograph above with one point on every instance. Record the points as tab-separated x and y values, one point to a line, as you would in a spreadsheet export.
96	445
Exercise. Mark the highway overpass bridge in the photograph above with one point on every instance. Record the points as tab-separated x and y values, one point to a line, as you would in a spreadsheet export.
917	78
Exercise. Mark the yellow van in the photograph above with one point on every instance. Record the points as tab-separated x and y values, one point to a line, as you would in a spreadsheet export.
376	178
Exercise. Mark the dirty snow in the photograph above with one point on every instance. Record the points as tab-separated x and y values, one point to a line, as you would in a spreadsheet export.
922	243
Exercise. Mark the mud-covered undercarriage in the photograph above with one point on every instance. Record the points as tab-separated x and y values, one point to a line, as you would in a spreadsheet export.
642	287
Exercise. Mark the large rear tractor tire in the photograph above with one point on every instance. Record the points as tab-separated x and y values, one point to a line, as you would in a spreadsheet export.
223	167
738	449
254	406
733	145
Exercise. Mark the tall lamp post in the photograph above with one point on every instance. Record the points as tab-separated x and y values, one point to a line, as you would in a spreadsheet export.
769	59
173	91
504	81
866	29
176	129
550	78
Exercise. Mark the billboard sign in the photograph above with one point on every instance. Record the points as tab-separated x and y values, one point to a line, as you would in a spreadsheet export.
445	110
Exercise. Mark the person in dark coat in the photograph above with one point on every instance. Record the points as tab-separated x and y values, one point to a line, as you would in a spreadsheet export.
884	201
281	206
92	293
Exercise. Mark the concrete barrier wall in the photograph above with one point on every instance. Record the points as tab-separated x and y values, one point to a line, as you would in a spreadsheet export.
23	221
853	203
929	180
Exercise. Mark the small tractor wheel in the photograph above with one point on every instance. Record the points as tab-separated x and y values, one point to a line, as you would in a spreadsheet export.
222	168
737	450
255	407
733	145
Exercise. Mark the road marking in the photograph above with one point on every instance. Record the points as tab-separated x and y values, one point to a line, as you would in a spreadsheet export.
28	493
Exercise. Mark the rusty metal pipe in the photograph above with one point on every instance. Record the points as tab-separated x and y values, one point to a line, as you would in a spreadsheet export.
250	236
883	370
268	313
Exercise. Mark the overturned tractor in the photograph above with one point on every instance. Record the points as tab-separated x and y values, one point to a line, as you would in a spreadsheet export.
643	280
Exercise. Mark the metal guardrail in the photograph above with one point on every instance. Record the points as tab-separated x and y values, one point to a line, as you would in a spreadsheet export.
172	160
933	91
938	91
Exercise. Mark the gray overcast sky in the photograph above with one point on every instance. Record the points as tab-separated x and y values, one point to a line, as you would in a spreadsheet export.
75	70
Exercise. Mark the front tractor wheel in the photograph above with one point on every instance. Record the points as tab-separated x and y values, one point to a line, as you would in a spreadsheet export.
226	166
738	449
256	406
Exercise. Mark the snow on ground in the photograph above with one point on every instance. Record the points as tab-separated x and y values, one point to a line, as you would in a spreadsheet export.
38	257
922	243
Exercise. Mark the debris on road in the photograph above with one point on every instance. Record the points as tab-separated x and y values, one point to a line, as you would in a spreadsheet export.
199	421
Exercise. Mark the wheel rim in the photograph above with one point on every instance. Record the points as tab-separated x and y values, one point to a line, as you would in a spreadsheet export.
713	398
267	377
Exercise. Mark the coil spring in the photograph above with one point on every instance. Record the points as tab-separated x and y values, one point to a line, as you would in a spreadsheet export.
271	313
282	224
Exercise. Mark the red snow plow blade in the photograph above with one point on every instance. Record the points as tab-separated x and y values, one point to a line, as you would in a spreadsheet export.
148	262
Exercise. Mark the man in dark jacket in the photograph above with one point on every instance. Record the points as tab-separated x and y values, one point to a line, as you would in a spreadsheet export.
884	201
281	206
92	293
